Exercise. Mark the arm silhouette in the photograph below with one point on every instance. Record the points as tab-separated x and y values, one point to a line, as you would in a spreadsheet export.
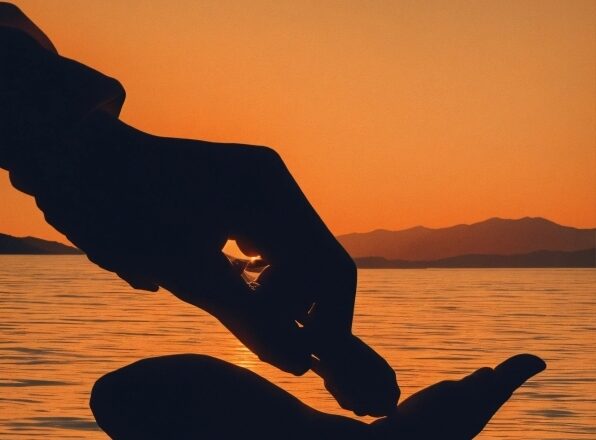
192	396
157	212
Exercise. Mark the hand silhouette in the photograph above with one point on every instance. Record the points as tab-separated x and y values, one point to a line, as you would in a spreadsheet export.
191	396
459	409
157	211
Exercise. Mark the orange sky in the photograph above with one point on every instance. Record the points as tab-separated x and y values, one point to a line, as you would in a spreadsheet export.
389	114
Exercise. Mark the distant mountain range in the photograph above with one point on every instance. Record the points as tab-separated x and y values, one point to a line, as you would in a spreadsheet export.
495	236
33	246
496	242
583	258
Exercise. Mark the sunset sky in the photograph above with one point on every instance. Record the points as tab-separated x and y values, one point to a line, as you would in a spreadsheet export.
389	114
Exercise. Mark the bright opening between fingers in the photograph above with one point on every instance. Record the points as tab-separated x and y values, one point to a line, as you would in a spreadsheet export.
250	267
231	249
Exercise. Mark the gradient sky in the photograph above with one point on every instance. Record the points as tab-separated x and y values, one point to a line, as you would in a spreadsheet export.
389	114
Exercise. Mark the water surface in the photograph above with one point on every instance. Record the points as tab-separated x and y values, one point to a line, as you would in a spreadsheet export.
64	322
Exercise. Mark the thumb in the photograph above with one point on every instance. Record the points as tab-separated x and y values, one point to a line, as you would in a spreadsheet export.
512	373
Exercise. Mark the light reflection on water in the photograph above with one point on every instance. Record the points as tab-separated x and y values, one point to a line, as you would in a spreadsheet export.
64	323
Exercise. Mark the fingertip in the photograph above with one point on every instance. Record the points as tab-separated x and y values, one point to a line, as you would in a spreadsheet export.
360	412
518	369
527	362
301	368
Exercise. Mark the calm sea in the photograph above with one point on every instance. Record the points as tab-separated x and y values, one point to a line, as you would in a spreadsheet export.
64	323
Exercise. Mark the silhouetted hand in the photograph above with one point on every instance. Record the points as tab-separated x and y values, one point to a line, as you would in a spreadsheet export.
157	211
358	377
459	409
191	396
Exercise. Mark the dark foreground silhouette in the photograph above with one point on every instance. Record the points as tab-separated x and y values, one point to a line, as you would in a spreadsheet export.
157	211
199	397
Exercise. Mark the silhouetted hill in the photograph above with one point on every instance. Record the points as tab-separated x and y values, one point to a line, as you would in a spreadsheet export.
34	246
495	236
583	258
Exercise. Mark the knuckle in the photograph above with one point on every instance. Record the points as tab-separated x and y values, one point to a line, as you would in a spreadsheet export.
268	154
